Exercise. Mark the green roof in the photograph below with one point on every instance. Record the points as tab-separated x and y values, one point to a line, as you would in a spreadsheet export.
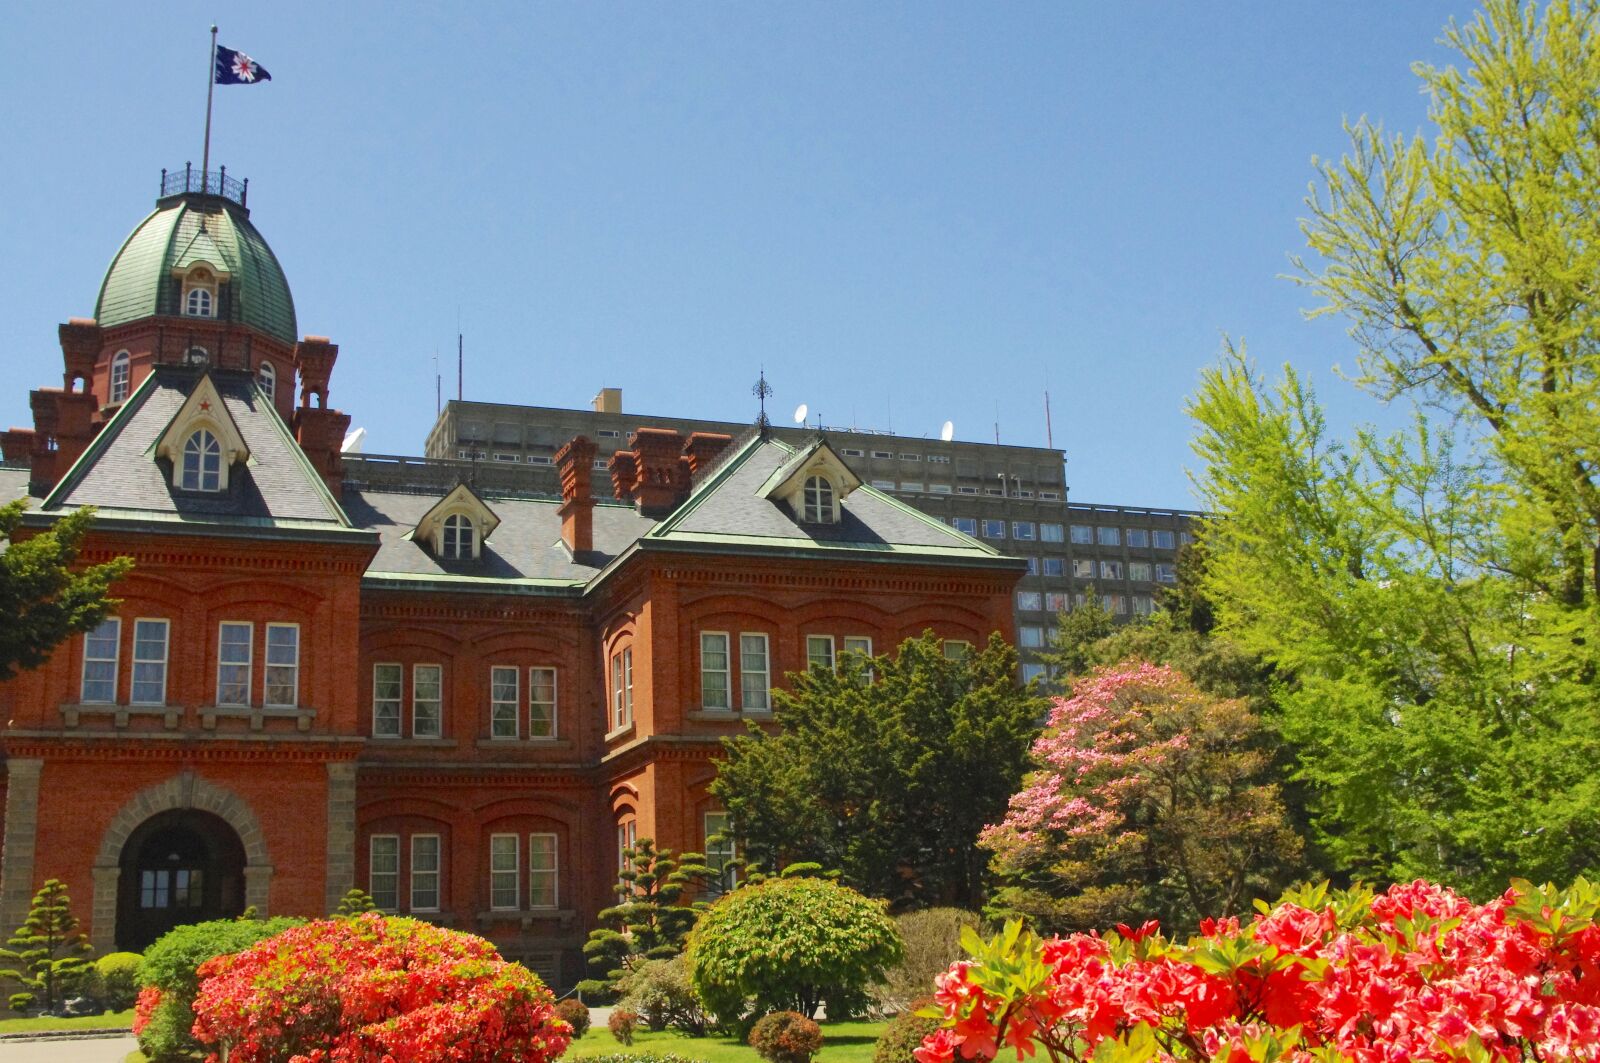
181	232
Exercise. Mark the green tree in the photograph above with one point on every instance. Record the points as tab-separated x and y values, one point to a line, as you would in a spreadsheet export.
1076	630
654	913
886	773
1432	591
354	902
1151	799
48	956
43	597
790	943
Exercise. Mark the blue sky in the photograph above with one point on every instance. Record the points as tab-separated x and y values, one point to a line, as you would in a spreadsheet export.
906	213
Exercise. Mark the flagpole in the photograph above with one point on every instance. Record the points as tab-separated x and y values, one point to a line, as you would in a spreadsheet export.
211	84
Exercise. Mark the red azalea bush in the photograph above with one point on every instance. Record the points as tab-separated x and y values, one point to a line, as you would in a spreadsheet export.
371	990
1416	973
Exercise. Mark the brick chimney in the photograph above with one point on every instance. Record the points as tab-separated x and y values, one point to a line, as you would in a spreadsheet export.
624	474
574	462
63	427
703	448
663	477
319	430
80	349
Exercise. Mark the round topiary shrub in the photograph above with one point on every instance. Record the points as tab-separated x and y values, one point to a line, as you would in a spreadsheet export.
169	979
115	981
786	1037
576	1015
622	1024
372	987
904	1034
788	944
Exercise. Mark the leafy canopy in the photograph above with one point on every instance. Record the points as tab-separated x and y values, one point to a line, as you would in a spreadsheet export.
886	770
42	597
1433	591
653	914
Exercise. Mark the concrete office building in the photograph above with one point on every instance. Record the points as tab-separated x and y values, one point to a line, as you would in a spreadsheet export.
1014	498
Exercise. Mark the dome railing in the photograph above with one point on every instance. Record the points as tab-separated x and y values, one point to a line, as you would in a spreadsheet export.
206	183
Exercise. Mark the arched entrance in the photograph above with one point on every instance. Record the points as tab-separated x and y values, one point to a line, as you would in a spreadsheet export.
177	867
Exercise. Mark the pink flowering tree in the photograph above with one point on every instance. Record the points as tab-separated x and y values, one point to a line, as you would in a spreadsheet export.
1151	798
1416	973
373	990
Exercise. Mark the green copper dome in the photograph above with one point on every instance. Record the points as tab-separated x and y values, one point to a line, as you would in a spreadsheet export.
184	230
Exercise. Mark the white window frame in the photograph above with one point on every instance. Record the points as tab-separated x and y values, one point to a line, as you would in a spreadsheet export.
458	538
762	702
398	701
1083	568
551	873
1054	566
422	873
726	852
417	702
1030	601
121	377
195	447
199	302
991	525
957	649
1158	534
726	672
1137	538
1111	569
1051	532
627	838
1024	530
818	501
551	727
1081	534
1107	535
1141	571
114	660
267	379
373	874
497	874
166	651
247	664
292	668
501	709
815	643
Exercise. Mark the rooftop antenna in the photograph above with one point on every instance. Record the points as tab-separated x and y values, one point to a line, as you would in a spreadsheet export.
761	390
948	432
800	412
997	424
460	365
438	386
1049	435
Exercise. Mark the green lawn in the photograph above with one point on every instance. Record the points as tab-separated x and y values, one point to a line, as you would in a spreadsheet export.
843	1042
110	1020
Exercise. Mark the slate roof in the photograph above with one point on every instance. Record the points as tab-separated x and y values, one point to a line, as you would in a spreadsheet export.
524	551
121	476
178	233
14	485
728	509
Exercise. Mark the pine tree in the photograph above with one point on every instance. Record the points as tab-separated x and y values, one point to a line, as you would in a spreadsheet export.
1075	632
354	903
47	954
649	920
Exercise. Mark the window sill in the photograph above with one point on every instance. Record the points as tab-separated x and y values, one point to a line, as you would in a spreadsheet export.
727	715
120	715
524	743
402	742
620	732
257	715
527	917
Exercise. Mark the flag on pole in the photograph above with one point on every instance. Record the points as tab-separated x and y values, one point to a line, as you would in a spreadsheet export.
236	68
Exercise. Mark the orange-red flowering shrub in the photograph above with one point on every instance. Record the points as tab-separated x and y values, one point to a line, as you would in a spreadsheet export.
1416	973
372	990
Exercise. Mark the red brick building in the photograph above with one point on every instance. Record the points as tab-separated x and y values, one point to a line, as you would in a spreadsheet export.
463	702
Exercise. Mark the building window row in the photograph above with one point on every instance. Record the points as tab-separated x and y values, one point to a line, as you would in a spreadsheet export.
511	706
622	688
512	880
236	672
755	666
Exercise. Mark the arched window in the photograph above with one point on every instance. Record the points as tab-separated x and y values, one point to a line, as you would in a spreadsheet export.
197	356
268	377
199	303
119	376
818	502
458	536
202	463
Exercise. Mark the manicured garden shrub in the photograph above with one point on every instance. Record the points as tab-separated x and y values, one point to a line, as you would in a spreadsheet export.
905	1033
641	1057
622	1024
169	979
1415	973
932	940
664	998
115	981
575	1013
788	944
786	1037
369	988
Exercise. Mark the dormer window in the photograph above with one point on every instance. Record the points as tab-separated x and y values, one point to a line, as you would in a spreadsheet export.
457	527
268	378
459	537
818	504
202	463
200	293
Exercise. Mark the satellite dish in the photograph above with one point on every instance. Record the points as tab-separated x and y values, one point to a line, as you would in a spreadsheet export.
948	432
352	442
800	412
